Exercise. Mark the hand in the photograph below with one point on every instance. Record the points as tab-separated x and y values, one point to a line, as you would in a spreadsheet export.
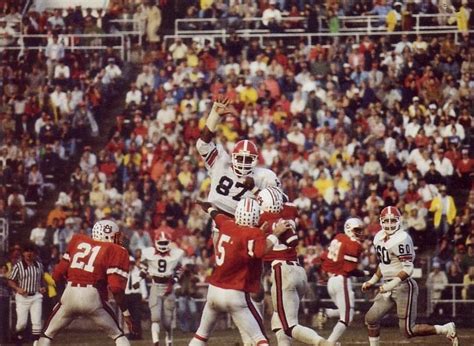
136	285
221	105
42	290
204	205
281	227
382	289
21	291
366	286
249	183
128	322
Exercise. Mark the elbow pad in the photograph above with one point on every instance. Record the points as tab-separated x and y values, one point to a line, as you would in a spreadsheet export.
408	267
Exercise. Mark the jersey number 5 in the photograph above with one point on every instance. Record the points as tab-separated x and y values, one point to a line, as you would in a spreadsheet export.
225	184
85	250
220	251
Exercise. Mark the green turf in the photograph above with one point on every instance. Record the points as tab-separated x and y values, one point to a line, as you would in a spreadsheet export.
355	335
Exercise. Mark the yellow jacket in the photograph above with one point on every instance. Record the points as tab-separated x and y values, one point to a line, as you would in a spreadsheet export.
51	285
462	19
437	208
391	20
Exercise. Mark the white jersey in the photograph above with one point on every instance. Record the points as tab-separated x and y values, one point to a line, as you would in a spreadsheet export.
162	268
227	188
393	251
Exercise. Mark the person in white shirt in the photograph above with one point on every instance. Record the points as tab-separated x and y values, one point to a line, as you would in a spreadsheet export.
38	234
258	65
427	191
59	100
269	152
295	136
133	95
146	77
300	165
112	71
443	165
166	115
298	104
61	71
271	16
448	129
303	203
56	20
54	52
436	283
178	50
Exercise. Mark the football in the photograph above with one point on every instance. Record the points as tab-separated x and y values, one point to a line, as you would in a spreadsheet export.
289	238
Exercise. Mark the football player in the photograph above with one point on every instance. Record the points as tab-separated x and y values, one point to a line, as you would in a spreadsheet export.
162	265
232	177
394	248
289	280
90	267
339	263
238	255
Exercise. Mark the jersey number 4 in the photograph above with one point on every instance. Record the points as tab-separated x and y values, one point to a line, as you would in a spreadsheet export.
85	249
225	184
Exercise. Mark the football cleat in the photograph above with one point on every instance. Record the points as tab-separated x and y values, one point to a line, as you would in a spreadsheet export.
451	333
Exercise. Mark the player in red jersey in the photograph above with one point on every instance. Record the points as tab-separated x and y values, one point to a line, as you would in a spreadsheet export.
289	280
340	262
239	250
90	266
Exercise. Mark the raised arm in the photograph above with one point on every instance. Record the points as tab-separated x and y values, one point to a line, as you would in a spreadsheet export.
220	108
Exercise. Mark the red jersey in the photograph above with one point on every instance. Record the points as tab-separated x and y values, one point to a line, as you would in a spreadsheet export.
238	253
342	255
280	251
91	262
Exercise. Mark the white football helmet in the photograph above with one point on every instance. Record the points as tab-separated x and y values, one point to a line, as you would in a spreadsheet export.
247	212
244	157
106	231
354	228
162	244
390	219
270	199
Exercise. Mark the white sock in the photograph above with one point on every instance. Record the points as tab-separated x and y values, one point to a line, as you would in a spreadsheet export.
282	338
331	313
374	340
168	339
122	341
155	332
305	335
441	329
337	332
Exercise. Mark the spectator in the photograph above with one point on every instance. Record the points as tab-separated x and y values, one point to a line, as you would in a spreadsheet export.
436	283
271	17
140	239
4	303
444	211
468	290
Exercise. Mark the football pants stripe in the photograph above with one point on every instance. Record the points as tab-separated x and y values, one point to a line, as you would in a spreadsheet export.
279	293
51	315
255	314
346	302
201	338
408	329
109	310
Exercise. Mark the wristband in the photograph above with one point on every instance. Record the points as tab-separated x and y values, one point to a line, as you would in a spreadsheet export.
213	118
126	313
211	209
374	279
255	190
392	284
273	238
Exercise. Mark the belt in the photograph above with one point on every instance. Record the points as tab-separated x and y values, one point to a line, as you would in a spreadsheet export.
293	263
161	279
75	284
331	275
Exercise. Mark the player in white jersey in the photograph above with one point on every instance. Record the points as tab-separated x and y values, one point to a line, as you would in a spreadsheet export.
395	252
232	177
162	265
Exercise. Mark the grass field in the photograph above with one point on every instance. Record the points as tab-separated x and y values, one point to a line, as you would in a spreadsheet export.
355	335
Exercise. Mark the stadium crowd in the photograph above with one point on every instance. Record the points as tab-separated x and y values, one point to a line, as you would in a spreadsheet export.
349	128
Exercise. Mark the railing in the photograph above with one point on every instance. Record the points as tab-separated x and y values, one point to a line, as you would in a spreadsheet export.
75	42
366	24
309	37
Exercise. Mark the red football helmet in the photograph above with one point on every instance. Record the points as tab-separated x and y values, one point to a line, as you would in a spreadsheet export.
390	219
244	157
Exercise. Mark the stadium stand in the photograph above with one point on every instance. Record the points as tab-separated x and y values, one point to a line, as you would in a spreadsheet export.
350	122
